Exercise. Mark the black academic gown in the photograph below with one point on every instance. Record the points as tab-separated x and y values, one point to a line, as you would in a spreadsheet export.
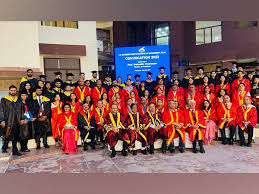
82	123
33	82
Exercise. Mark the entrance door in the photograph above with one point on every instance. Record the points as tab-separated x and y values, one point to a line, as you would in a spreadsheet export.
64	65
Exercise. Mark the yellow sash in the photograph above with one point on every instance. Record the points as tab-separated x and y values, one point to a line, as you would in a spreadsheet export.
101	116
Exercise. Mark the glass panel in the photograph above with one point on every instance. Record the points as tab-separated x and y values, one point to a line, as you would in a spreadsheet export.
199	37
51	63
207	35
216	34
205	24
162	40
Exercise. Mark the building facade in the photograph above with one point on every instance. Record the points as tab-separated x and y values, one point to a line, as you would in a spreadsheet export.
46	47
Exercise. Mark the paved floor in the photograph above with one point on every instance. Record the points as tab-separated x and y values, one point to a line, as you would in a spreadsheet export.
218	158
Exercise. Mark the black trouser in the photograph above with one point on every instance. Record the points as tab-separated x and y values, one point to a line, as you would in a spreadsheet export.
195	141
250	131
223	132
24	144
14	145
100	135
41	131
92	133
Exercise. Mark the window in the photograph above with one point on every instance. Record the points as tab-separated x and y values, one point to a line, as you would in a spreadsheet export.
64	65
64	24
208	32
104	40
161	34
239	25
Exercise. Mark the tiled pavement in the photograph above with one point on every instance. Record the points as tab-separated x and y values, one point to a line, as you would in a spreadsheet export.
218	158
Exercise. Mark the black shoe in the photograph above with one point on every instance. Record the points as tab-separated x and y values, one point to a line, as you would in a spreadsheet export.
46	146
224	141
92	146
249	145
242	143
172	150
144	152
134	152
113	154
164	147
194	150
181	150
4	151
85	147
26	150
202	150
231	142
163	151
124	152
38	147
194	147
151	149
17	153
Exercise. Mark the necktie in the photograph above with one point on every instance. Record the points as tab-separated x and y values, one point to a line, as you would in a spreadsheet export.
40	103
193	115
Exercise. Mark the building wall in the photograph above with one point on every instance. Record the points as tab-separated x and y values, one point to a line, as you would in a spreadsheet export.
236	44
84	35
19	51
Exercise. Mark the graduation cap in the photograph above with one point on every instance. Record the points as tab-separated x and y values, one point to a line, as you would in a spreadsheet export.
202	68
175	72
161	67
42	76
58	80
218	67
93	72
187	69
226	69
137	75
38	87
250	72
69	74
57	73
149	73
108	74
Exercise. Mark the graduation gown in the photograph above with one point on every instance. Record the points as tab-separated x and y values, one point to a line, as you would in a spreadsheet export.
211	98
196	96
125	94
249	114
56	110
107	85
86	119
164	90
9	110
69	137
196	119
164	78
185	82
224	112
93	83
65	97
142	110
238	98
150	84
76	107
150	121
178	96
111	93
162	97
171	132
201	88
136	121
100	117
236	82
225	86
111	121
33	82
81	93
97	93
27	131
120	104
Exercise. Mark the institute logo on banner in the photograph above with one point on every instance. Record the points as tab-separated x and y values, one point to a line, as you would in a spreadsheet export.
142	50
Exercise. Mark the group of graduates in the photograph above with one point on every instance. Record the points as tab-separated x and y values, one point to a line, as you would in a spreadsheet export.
105	112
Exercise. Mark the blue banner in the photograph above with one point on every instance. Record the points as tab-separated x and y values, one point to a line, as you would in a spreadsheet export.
140	60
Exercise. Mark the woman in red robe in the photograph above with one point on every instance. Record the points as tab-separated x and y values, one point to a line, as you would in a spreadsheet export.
210	119
223	84
238	97
208	95
160	96
75	105
205	82
106	104
219	99
161	86
135	98
160	107
147	96
67	124
56	110
119	102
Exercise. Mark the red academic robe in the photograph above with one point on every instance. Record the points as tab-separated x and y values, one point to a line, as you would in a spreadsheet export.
141	109
246	115
190	120
236	82
196	96
135	121
162	97
211	114
100	117
238	98
125	94
211	98
115	121
224	112
97	93
82	93
171	132
179	97
201	88
120	104
75	108
150	121
112	92
225	86
69	137
56	110
162	87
